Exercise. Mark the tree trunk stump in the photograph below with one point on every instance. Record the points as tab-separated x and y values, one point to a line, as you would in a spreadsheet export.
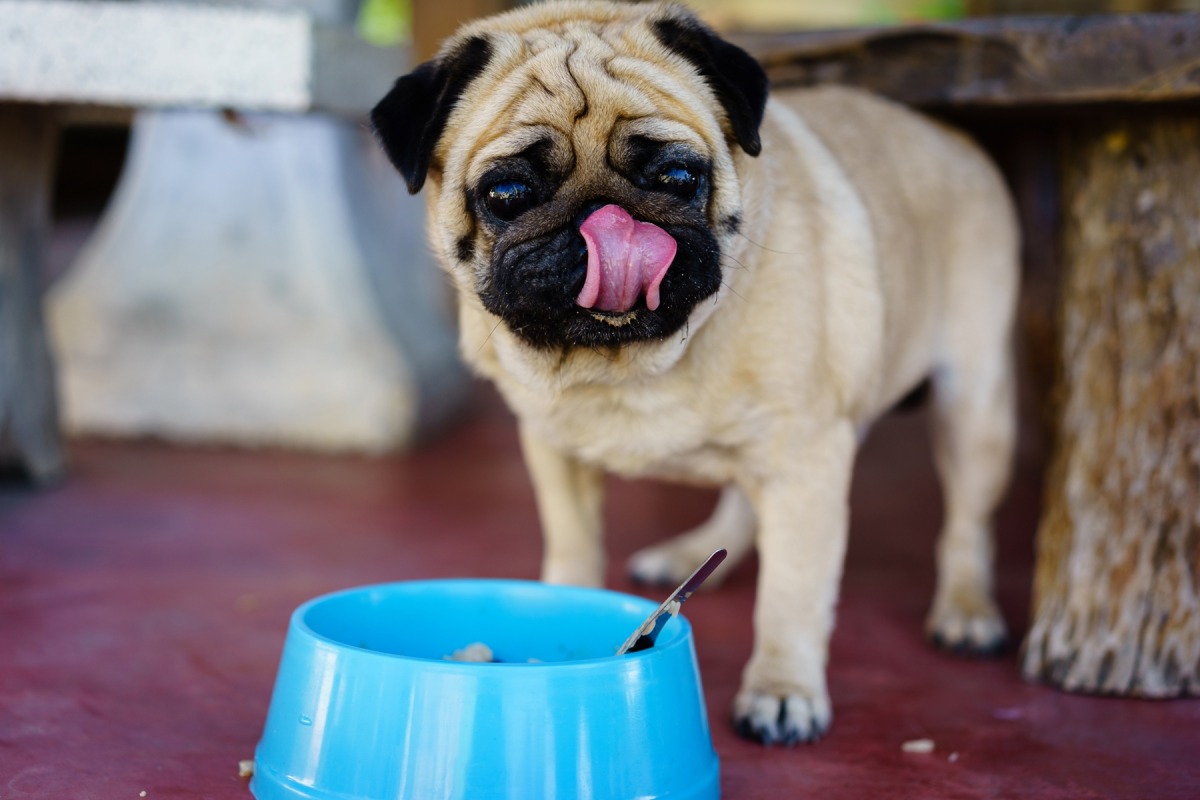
29	435
1116	605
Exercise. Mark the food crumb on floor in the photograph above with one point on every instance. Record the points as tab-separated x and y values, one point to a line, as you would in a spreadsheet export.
245	768
918	746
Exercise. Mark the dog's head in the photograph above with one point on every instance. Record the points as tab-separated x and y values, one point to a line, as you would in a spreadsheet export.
581	160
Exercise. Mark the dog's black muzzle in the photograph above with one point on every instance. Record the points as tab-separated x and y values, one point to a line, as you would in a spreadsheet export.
534	283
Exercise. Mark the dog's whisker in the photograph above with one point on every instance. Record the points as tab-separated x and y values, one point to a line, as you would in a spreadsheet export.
598	352
489	337
739	264
732	291
764	248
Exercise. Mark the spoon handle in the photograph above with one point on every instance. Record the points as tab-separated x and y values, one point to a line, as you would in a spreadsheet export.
643	638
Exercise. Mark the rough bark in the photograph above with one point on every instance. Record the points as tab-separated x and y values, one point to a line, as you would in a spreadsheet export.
28	411
1116	606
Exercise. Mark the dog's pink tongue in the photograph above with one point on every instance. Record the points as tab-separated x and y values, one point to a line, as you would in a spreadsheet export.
625	259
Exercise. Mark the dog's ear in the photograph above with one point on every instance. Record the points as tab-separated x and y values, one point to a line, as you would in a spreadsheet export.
410	119
737	78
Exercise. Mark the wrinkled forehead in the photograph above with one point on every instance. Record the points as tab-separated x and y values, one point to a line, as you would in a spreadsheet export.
583	90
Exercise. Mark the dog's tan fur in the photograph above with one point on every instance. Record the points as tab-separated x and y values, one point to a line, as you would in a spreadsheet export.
876	248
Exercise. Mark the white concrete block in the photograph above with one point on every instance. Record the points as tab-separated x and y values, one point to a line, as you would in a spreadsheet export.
232	291
139	54
282	55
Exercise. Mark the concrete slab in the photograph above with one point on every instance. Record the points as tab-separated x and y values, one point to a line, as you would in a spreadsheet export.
152	55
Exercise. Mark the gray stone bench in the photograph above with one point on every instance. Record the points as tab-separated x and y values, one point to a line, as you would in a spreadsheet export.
257	278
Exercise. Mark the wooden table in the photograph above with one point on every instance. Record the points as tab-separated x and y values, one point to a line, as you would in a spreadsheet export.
1097	123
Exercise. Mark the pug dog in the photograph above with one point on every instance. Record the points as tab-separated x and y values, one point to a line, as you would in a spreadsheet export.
669	273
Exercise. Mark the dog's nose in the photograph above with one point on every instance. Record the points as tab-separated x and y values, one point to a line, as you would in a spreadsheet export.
587	209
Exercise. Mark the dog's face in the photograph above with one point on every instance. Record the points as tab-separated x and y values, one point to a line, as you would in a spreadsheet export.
581	160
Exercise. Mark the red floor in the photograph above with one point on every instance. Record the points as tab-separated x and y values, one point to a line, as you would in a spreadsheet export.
144	602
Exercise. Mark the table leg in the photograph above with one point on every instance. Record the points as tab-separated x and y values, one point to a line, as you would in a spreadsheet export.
1116	606
29	433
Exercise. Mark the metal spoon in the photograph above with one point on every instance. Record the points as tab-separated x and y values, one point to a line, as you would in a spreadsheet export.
643	638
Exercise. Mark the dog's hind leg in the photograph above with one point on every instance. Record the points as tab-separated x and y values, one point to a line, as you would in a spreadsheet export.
974	430
731	526
974	402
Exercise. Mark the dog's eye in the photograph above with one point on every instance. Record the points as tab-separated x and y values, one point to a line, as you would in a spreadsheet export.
507	200
679	180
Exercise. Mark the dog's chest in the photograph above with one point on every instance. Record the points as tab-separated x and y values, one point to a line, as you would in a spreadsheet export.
639	432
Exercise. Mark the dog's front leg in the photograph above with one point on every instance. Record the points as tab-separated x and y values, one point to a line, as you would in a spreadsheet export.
801	499
570	497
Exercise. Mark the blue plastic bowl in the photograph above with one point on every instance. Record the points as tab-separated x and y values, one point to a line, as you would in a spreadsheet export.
366	706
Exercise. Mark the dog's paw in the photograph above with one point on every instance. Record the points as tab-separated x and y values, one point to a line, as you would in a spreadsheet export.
662	565
731	527
967	623
786	720
669	563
